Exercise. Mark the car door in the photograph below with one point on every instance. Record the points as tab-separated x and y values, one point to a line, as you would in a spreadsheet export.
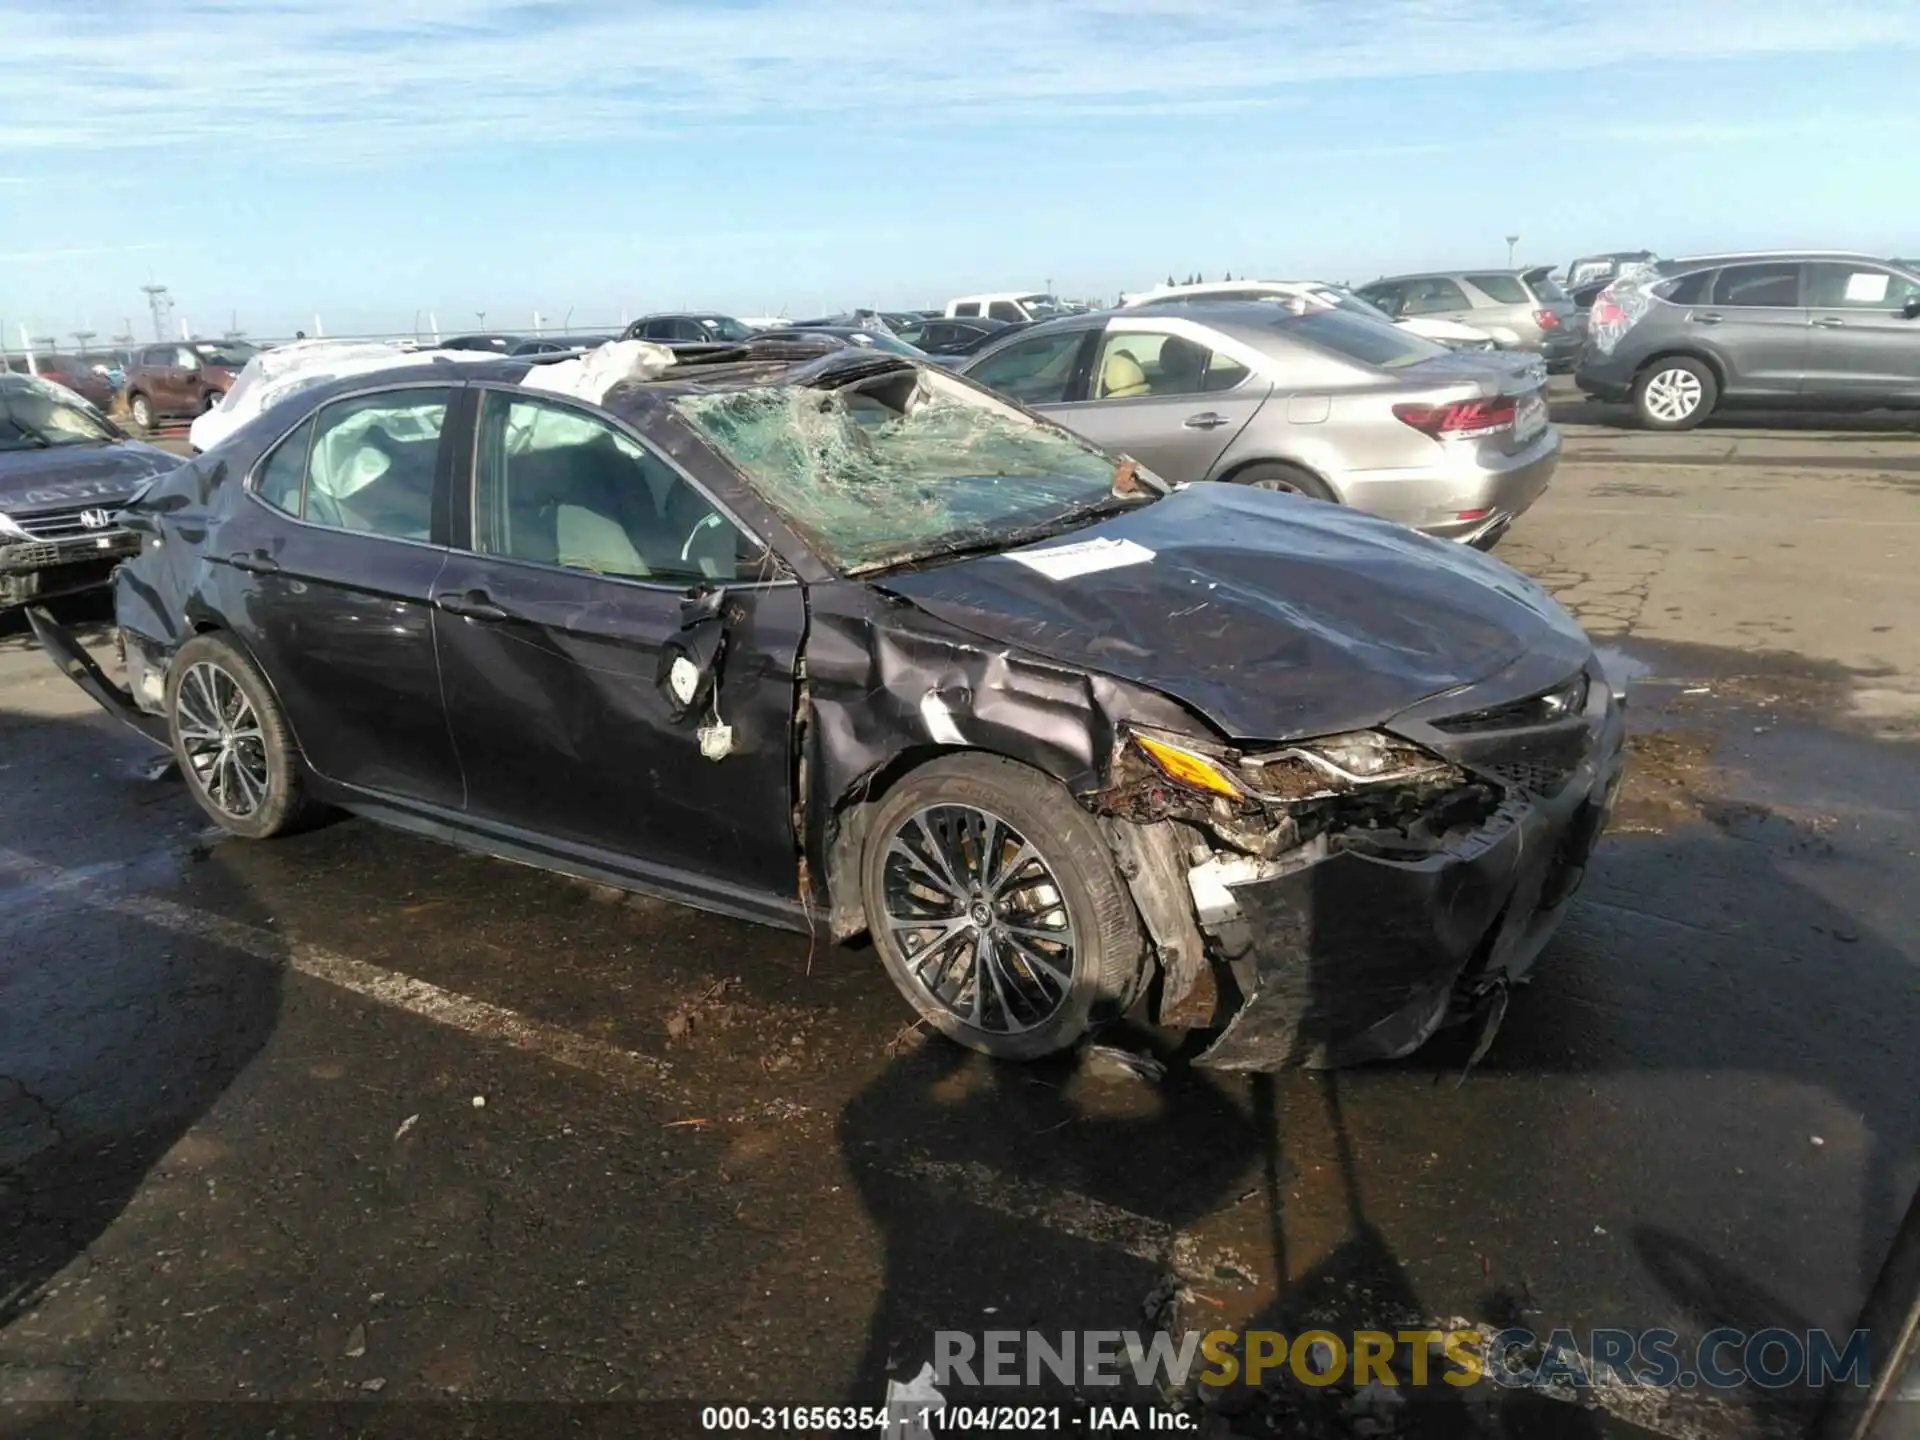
183	381
1169	401
333	554
1041	371
584	547
1862	343
1755	323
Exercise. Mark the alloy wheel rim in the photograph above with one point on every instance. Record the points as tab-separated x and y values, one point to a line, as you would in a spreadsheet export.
979	918
1673	394
1283	487
221	736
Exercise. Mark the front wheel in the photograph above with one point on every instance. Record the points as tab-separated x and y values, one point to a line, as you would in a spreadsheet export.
231	739
1674	394
141	409
995	904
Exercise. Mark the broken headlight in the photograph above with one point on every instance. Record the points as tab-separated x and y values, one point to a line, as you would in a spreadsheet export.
1187	765
1339	764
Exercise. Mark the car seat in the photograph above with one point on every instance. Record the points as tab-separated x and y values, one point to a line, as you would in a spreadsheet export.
1121	377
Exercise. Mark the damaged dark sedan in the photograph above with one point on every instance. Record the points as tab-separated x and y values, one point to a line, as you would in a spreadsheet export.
846	643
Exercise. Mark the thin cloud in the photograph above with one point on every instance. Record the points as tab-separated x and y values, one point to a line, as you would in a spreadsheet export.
67	252
334	79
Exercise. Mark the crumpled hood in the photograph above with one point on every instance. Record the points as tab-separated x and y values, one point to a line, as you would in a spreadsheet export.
74	474
1273	616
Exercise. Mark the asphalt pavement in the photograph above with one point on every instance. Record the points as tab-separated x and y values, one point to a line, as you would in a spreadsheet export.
351	1116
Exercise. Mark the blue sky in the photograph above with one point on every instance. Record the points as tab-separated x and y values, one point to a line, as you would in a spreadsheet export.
370	159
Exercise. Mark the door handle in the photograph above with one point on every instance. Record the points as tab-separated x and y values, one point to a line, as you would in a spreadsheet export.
1831	322
1705	317
473	605
256	562
1208	420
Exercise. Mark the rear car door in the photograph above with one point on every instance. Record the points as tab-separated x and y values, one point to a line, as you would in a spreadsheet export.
334	555
583	546
1170	402
1862	346
1756	324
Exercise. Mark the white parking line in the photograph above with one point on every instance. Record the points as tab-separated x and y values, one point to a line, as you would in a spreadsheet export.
389	987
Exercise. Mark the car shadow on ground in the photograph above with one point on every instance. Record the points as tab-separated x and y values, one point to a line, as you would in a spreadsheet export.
118	1031
1577	409
1734	992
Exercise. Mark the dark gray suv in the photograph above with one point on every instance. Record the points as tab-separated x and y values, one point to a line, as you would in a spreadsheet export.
1808	330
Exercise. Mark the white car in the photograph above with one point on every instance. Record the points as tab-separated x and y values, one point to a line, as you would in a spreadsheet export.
1333	297
1012	306
274	374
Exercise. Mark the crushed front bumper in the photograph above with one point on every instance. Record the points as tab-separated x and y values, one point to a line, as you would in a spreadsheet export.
81	668
1361	957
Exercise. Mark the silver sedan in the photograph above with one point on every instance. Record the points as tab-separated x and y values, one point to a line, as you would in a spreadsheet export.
1327	404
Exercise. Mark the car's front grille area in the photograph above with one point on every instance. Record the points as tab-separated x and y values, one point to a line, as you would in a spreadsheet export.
1536	777
67	523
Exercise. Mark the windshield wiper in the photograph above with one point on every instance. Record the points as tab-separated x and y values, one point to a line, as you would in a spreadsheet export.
993	542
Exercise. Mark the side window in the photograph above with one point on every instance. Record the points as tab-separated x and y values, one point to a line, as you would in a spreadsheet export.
659	330
1389	298
185	359
373	461
1688	289
684	329
1833	286
557	486
971	307
1004	310
1428	297
283	477
1036	371
1504	289
1139	363
1775	284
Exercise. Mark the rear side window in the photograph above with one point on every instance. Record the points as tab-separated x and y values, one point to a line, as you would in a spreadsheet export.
1688	289
1501	289
373	461
1357	338
970	308
1774	284
284	475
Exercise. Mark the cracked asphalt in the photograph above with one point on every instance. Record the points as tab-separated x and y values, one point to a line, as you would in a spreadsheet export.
354	1117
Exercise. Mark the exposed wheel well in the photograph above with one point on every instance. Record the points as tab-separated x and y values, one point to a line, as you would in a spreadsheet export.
847	833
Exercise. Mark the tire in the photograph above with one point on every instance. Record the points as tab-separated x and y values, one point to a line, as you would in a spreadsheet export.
141	409
1044	995
224	759
1290	479
1674	394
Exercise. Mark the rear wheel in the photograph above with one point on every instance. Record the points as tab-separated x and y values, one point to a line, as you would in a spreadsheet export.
1674	394
1289	479
231	739
996	907
141	408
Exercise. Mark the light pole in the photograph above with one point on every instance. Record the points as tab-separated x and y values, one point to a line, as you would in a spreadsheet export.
1512	240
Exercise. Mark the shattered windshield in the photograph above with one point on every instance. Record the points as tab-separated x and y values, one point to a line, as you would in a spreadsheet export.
39	416
906	466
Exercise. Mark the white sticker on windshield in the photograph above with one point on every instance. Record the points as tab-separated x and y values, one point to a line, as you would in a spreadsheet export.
1867	287
1063	562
